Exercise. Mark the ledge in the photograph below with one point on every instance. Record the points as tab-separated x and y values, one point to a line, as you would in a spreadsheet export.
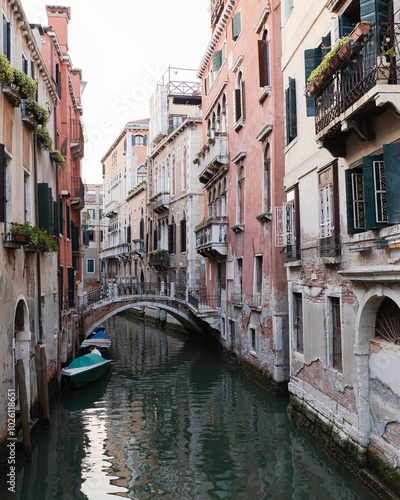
293	263
264	217
335	260
238	125
12	96
265	92
237	228
378	274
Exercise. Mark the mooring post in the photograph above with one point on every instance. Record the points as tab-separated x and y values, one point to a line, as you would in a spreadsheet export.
24	409
172	289
45	385
39	376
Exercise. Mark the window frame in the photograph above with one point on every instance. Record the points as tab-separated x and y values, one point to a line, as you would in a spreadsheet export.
298	321
87	266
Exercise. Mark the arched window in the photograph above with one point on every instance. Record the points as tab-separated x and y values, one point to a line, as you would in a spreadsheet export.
240	195
140	140
141	174
173	181
387	324
238	99
184	170
264	64
166	180
267	180
213	125
223	114
223	198
209	128
183	233
209	204
219	201
218	119
172	236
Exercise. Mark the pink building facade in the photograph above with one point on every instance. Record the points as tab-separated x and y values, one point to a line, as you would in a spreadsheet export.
242	168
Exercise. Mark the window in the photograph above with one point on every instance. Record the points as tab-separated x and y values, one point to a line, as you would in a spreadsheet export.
264	69
2	184
223	328
239	276
172	236
92	213
336	331
90	265
184	170
6	38
173	182
217	60
27	197
312	59
236	25
298	322
141	174
258	274
288	6
291	113
58	80
287	225
372	191
267	180
24	64
238	102
252	339
138	140
240	195
388	321
91	235
183	233
328	211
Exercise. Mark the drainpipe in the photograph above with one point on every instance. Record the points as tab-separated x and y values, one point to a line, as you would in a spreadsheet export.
39	284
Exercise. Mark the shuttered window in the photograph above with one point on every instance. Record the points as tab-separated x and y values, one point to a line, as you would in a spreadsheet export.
217	60
312	58
236	25
2	184
372	192
207	85
61	214
374	11
128	234
68	222
291	112
264	63
45	202
90	265
6	38
183	235
24	64
71	287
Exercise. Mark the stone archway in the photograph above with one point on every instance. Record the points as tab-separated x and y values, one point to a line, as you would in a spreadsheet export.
378	377
21	347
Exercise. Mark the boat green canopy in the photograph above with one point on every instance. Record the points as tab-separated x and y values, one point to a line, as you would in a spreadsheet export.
87	360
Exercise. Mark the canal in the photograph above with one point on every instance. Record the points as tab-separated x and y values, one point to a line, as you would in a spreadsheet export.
174	421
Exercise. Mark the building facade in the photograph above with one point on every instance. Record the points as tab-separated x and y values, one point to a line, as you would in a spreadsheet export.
92	236
340	239
69	140
28	275
124	176
241	166
175	193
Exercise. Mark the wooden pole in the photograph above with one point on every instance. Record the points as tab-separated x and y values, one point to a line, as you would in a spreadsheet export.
45	385
24	409
39	376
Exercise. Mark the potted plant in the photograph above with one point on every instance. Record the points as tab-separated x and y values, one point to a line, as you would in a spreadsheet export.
6	71
39	113
27	86
360	31
21	233
44	137
57	157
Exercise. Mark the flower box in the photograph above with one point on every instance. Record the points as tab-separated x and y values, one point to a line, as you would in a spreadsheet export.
360	31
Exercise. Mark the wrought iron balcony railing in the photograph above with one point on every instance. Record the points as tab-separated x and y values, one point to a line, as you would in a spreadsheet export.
118	251
374	60
77	193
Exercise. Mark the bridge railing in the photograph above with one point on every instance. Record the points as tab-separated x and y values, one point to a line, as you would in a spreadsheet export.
202	301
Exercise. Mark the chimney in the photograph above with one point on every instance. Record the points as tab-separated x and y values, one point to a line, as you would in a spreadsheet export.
58	18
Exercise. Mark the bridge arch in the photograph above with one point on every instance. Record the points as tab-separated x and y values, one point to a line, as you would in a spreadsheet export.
99	313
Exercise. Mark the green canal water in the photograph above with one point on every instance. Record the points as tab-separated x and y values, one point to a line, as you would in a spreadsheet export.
173	421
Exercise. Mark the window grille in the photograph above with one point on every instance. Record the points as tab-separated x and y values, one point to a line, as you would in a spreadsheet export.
380	191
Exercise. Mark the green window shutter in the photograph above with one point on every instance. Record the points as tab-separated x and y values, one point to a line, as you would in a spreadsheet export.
61	214
374	11
369	192
350	190
287	113
125	144
145	140
128	234
74	237
2	184
55	219
104	169
236	25
292	129
217	60
141	235
207	85
90	266
133	140
346	25
312	58
43	202
391	155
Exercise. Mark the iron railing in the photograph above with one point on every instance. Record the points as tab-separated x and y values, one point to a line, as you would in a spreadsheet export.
374	59
78	188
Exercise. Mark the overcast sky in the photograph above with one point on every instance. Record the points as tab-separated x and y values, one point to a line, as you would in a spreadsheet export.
123	47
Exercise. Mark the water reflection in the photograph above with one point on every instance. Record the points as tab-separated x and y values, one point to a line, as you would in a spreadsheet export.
174	421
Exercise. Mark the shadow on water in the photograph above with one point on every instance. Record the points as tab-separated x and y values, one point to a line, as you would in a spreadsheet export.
172	420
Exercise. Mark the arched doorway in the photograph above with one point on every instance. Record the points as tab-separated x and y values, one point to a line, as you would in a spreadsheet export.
21	345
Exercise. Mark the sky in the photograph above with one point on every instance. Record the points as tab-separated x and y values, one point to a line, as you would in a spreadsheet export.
123	48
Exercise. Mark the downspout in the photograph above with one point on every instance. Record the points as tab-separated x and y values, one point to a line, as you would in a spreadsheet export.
39	284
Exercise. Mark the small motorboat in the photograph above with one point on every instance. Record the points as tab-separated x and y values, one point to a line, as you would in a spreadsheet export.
99	340
85	369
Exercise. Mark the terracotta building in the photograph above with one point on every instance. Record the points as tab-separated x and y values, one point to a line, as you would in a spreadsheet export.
69	140
342	224
241	166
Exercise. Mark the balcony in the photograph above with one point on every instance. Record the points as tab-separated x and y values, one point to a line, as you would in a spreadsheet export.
27	116
363	86
117	252
111	209
237	298
160	202
138	247
211	238
213	156
76	139
77	193
217	8
159	259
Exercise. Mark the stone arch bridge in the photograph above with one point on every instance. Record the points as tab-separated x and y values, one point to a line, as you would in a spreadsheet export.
190	308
